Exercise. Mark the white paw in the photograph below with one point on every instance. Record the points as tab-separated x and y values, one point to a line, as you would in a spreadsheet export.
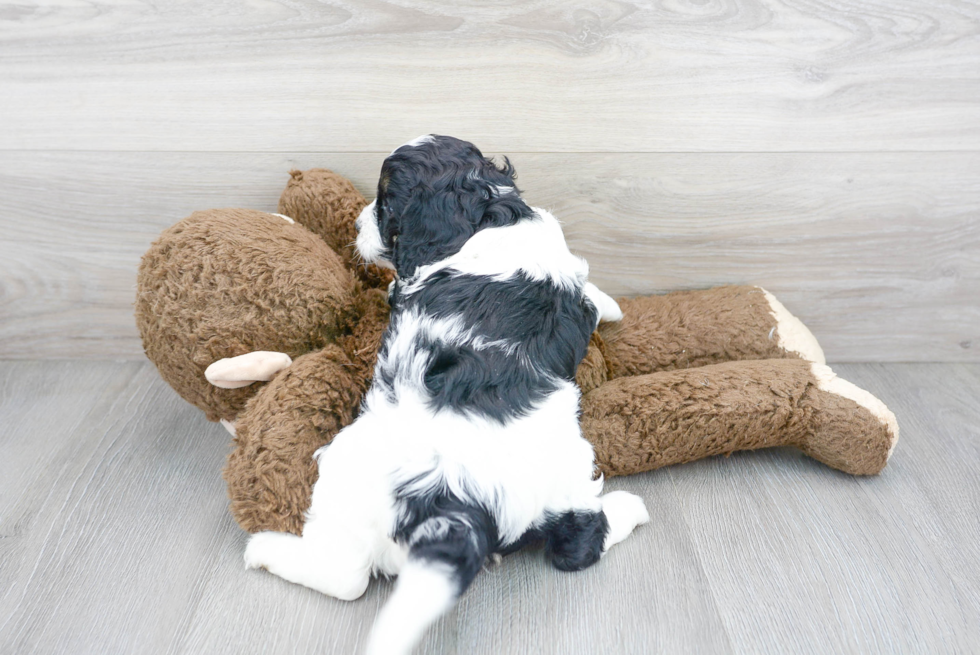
612	312
624	511
266	549
308	564
608	308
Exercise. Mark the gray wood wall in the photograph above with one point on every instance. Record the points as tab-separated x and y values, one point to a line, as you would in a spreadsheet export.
829	151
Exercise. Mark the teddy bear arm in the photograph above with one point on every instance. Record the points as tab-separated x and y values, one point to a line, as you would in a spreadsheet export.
365	328
645	422
328	205
687	329
271	472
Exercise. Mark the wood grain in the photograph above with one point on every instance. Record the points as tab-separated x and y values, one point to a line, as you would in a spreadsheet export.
879	253
547	76
114	537
116	516
877	558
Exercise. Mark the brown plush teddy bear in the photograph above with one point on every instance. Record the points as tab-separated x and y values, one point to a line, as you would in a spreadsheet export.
273	328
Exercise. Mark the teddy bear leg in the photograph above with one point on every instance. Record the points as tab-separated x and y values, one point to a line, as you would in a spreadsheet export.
645	422
851	429
687	329
791	334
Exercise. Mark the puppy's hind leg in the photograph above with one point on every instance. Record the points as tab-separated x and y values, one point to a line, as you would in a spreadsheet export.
340	544
623	511
575	539
303	561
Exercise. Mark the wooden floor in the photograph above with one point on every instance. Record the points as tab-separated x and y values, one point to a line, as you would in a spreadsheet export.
114	538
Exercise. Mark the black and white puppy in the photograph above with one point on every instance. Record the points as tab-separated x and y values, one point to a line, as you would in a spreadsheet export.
468	442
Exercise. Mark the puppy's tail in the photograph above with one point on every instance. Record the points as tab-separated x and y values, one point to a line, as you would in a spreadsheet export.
445	554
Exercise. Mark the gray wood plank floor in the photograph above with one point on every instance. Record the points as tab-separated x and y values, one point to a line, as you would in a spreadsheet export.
114	538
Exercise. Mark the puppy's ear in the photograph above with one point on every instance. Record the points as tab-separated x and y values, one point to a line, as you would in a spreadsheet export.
430	224
441	212
504	205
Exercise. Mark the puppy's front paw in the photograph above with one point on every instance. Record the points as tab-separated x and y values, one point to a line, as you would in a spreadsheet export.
624	511
607	308
612	312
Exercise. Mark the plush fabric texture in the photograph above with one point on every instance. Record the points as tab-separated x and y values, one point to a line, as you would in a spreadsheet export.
683	376
226	282
362	337
328	205
271	471
685	329
645	422
593	370
635	423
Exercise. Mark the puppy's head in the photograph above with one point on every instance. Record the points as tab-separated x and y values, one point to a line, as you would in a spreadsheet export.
435	192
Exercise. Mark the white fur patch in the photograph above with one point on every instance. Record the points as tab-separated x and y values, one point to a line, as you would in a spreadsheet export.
403	340
417	141
792	334
326	567
423	593
623	511
286	218
608	308
369	243
534	247
533	463
828	381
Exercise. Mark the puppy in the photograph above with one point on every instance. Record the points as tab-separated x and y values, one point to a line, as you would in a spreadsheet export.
468	442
